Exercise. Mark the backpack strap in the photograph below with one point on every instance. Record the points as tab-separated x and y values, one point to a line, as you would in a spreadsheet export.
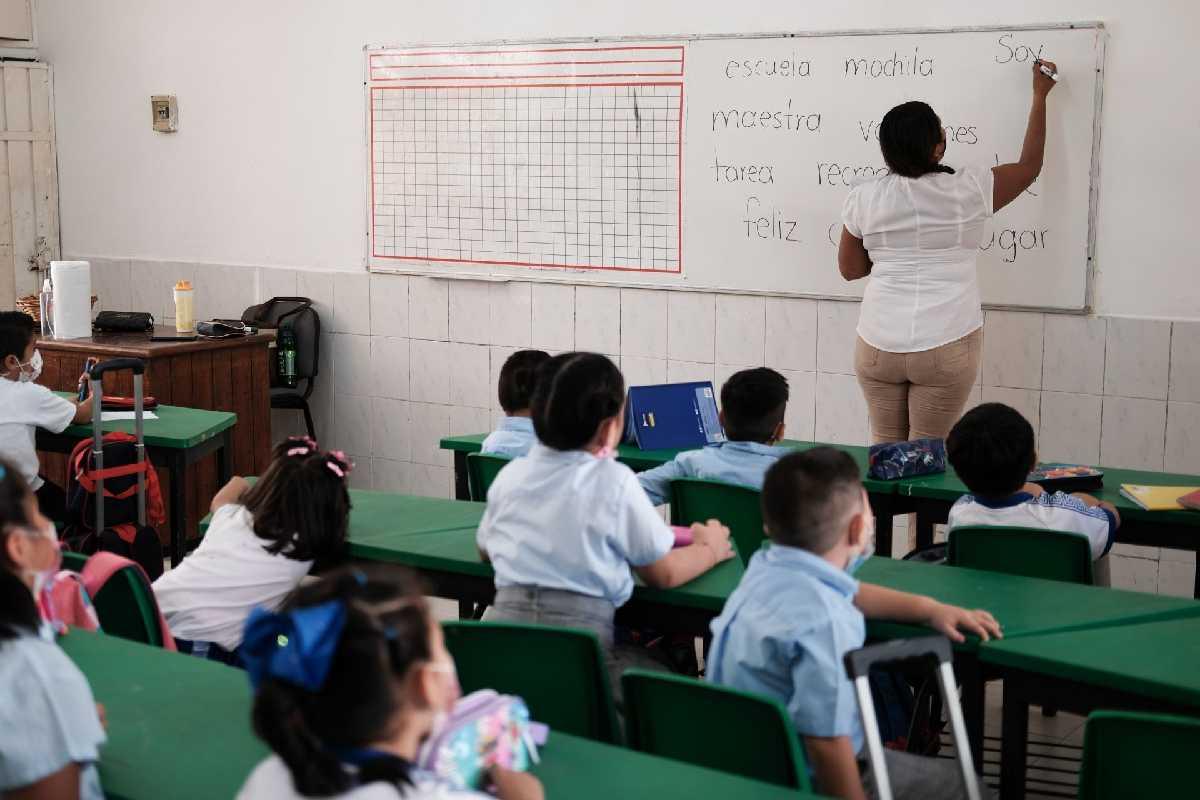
103	565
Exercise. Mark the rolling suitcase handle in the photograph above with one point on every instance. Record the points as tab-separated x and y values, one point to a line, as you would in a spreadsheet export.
858	666
96	377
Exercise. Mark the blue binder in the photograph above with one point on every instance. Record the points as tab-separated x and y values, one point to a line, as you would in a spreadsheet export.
672	416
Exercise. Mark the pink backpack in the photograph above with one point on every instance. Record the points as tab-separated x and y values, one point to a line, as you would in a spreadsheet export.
102	566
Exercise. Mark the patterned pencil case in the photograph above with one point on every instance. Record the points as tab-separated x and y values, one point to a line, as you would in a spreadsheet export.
895	460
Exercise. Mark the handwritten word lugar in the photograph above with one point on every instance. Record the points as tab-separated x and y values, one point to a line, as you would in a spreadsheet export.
1011	241
893	67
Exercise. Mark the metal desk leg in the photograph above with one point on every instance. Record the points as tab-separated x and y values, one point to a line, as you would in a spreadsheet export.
224	458
462	489
177	468
1014	733
881	507
970	674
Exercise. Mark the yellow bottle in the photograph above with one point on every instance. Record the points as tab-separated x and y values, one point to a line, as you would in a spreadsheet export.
185	316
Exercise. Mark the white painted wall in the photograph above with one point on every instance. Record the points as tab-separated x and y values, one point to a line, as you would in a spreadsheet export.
268	165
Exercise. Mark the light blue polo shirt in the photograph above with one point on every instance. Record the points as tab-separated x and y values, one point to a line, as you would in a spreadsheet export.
47	717
743	463
512	438
565	519
783	633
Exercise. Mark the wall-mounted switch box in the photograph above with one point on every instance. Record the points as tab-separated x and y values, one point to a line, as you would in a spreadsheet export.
165	113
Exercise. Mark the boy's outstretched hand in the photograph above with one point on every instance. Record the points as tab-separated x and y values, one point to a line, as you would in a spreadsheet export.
953	620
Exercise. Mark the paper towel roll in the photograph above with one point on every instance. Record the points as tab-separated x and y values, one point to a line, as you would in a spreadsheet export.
72	282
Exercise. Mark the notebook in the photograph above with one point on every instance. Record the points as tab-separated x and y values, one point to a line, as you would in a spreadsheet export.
1191	500
1156	498
672	416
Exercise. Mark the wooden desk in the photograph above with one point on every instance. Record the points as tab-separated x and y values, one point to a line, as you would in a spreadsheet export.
213	374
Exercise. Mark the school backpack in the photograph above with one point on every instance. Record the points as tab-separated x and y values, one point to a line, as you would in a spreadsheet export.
121	534
125	601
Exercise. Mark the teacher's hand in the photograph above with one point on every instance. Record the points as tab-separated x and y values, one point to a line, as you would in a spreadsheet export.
1042	83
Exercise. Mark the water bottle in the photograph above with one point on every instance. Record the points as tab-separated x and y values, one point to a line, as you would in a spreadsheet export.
287	355
46	308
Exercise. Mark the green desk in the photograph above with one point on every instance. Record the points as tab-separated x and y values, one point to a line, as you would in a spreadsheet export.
585	770
180	727
1153	666
179	438
449	560
884	500
1023	606
931	498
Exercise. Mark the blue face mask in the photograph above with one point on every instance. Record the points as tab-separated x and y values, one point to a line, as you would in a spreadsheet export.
857	560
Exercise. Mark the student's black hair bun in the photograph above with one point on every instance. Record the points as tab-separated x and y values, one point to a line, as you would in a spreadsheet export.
575	393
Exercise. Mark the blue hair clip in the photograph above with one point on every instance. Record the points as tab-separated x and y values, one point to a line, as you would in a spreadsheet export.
296	646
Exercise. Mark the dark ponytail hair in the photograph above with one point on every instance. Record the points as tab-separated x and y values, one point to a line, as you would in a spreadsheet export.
575	393
300	504
907	136
18	611
386	633
518	377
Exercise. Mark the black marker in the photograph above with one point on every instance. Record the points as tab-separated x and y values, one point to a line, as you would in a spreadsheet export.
1049	73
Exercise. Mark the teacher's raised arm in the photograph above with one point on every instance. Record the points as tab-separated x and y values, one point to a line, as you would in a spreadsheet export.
916	233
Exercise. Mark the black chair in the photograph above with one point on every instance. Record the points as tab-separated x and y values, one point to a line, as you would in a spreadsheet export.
298	314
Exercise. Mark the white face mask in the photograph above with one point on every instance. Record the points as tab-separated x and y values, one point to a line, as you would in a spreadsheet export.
35	368
442	715
42	577
857	560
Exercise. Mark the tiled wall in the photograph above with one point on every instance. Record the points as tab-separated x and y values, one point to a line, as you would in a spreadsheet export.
407	360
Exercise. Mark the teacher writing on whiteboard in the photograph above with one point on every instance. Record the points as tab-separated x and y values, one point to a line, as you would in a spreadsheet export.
916	233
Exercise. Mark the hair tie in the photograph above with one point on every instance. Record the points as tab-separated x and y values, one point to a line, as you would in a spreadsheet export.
298	451
338	463
296	646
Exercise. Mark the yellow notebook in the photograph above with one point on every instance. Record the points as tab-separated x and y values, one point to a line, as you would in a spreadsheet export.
1156	498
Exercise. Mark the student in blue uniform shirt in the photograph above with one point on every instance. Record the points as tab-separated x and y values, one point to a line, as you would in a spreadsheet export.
567	526
515	435
798	610
753	403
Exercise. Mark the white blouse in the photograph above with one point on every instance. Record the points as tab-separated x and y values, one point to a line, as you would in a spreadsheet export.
923	237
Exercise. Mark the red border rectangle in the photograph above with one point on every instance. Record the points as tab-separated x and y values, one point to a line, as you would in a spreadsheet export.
586	267
467	60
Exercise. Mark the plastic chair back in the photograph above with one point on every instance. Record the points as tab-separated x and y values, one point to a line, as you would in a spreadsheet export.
73	561
126	608
1034	553
712	726
738	507
559	672
482	469
1132	754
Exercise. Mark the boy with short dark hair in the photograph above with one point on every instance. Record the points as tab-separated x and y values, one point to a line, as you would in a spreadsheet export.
514	437
753	403
992	450
798	610
25	406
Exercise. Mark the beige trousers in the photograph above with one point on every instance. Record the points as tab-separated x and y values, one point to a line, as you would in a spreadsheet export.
917	395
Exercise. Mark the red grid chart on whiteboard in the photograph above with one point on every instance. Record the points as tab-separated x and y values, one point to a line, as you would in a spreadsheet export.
534	155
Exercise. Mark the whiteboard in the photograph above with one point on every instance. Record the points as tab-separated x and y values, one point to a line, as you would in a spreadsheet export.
716	162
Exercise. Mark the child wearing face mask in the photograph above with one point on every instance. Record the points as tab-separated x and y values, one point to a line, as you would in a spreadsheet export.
350	676
50	728
798	610
25	406
566	526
